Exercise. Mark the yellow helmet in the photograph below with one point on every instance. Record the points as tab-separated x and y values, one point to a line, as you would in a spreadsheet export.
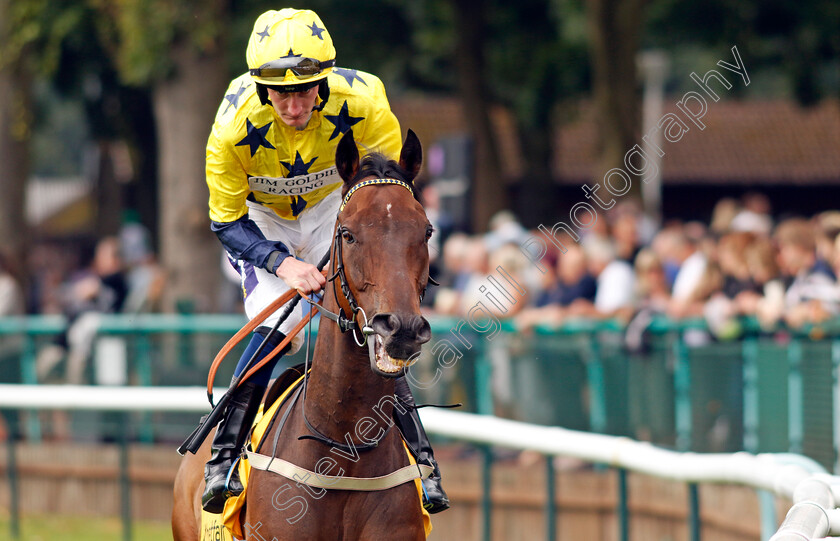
290	48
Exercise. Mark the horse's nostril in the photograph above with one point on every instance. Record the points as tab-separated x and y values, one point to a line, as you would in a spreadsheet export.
422	329
385	324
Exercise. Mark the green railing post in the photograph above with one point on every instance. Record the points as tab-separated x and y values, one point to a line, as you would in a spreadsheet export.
795	396
597	386
29	376
144	377
486	493
749	349
694	512
682	393
14	486
835	398
550	499
125	478
623	507
484	406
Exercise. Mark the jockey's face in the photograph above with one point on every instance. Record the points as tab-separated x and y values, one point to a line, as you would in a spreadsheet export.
294	108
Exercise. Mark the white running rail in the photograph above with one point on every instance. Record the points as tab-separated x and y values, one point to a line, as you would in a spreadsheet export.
816	495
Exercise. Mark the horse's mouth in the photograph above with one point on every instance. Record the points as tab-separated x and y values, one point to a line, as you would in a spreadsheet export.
384	364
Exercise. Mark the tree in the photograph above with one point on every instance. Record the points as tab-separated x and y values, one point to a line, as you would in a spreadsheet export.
15	129
795	42
178	49
615	28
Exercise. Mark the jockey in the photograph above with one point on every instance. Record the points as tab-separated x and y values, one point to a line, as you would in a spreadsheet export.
274	197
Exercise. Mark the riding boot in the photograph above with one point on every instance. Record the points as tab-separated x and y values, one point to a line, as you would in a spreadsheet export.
220	482
435	499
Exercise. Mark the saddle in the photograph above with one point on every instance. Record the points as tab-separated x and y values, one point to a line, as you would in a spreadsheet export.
284	388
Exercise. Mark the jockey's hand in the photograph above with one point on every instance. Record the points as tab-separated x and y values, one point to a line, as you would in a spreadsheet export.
300	275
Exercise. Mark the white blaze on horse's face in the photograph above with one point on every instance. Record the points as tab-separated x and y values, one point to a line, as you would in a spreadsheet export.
386	261
384	246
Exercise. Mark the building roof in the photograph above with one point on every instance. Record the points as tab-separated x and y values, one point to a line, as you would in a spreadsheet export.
749	142
744	142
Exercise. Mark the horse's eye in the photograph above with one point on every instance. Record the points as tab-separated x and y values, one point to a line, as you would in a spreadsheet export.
348	237
429	231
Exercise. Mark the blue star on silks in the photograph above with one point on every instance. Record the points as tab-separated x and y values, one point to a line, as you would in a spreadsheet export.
349	75
299	167
256	137
298	204
264	34
316	31
233	99
343	121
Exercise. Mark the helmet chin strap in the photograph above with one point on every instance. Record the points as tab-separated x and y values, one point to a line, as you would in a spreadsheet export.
324	94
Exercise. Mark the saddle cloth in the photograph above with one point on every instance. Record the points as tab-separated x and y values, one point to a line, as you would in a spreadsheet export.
228	525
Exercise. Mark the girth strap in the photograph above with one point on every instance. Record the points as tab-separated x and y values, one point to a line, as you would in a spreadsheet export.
365	484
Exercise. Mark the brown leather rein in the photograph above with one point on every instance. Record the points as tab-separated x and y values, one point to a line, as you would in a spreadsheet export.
246	330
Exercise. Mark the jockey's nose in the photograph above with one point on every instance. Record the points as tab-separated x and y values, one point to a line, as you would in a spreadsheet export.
412	327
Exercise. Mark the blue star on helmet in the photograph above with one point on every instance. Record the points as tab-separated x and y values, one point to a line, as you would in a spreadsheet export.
316	31
299	167
264	34
290	54
343	121
349	75
233	99
256	137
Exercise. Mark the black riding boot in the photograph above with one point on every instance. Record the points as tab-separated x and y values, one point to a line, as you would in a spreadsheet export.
230	436
435	499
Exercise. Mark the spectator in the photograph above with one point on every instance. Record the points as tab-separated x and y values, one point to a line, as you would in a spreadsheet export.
100	289
454	281
573	283
11	297
615	283
769	303
144	277
625	233
810	297
722	309
722	216
754	215
652	291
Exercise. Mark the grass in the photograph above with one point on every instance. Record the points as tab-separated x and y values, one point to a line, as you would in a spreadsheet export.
64	528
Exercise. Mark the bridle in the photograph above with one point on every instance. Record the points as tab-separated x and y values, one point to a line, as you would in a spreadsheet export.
337	257
344	322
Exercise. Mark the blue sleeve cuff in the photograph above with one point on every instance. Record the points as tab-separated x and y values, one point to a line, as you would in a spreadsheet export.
244	241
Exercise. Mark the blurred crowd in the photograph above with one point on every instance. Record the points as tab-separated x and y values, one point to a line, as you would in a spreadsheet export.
741	263
118	274
744	262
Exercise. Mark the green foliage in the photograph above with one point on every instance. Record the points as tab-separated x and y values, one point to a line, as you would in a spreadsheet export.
140	34
798	40
37	28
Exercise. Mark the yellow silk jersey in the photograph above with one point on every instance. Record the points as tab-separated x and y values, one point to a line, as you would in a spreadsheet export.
252	155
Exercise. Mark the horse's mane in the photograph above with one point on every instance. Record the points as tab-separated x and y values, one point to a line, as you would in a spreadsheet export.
376	164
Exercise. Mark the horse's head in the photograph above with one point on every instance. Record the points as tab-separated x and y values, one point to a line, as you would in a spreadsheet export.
381	242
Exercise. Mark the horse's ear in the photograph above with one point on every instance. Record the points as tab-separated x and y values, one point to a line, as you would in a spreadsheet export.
411	156
347	157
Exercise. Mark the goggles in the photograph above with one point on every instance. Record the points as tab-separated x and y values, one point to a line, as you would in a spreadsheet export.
302	67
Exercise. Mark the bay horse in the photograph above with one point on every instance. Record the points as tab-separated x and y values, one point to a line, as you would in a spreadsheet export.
380	261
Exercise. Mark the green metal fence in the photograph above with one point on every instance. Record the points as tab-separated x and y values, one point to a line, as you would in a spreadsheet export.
766	392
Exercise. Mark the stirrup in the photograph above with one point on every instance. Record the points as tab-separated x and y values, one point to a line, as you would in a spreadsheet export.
440	501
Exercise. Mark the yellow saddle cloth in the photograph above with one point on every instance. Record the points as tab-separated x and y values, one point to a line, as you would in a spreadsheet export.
228	525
